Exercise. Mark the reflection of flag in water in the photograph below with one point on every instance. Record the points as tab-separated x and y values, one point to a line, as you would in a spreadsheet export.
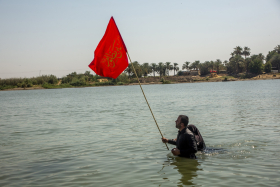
110	58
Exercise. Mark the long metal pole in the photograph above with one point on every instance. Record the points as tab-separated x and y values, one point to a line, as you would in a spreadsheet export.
145	97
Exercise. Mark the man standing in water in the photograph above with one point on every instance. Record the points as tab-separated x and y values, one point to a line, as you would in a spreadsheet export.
188	139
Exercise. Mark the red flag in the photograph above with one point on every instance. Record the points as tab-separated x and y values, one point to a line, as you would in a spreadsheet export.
110	58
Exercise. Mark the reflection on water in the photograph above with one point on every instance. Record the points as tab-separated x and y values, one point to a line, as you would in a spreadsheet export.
187	168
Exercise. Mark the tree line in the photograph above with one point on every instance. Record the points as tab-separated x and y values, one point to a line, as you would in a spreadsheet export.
241	61
163	69
73	79
27	82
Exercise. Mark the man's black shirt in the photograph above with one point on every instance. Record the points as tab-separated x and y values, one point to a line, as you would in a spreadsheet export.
186	143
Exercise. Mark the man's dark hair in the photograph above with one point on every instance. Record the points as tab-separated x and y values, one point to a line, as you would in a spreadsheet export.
184	119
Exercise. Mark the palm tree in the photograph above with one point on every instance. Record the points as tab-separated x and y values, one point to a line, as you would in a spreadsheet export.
164	70
204	68
246	51
238	50
232	55
247	61
277	49
154	68
137	68
129	70
170	68
167	65
175	67
186	65
270	55
238	61
261	56
146	69
225	63
275	61
87	75
212	65
160	68
218	63
195	65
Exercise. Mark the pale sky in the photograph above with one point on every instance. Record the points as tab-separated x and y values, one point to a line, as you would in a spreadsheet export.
43	37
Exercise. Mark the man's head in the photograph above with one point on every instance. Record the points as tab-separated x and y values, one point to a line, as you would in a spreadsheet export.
181	122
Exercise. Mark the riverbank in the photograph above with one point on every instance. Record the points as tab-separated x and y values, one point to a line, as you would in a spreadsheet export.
168	80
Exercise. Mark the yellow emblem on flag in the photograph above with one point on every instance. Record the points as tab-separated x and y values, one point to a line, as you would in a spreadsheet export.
111	57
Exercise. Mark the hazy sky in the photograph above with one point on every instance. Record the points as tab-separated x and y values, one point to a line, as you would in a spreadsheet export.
59	36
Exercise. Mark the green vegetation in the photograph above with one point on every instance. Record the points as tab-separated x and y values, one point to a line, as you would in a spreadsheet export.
6	87
122	79
71	80
227	77
27	82
245	75
240	65
180	73
52	86
165	81
267	67
239	62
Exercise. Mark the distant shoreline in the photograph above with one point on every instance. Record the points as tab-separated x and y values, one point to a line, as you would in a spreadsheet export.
170	79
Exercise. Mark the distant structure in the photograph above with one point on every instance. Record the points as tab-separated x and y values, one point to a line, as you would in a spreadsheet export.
274	70
103	80
194	72
185	72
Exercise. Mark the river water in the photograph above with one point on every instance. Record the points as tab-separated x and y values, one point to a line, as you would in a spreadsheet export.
106	136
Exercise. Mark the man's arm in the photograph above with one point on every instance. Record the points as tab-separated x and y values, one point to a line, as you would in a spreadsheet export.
172	141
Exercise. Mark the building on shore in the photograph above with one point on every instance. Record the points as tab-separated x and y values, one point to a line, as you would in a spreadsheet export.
274	70
103	80
194	72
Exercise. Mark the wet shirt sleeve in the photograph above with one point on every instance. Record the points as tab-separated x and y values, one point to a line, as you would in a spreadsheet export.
172	141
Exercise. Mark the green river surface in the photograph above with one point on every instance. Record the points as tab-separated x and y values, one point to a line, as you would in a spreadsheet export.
106	136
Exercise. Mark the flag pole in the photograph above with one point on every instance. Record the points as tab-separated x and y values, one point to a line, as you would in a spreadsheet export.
145	98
